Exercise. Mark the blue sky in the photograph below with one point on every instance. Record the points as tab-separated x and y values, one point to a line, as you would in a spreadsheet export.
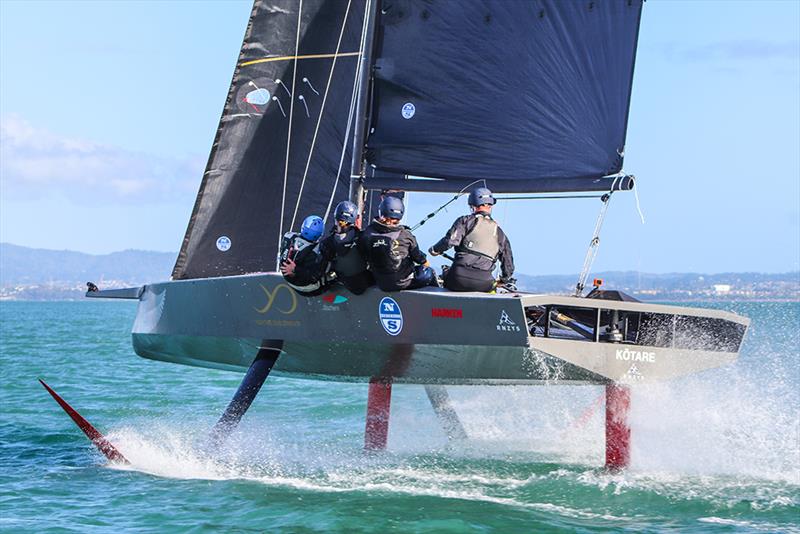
108	110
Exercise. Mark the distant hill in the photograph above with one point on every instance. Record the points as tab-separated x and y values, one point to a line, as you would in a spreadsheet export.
40	274
29	266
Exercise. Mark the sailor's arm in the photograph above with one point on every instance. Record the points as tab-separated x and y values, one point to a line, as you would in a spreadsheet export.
326	248
506	256
451	239
414	252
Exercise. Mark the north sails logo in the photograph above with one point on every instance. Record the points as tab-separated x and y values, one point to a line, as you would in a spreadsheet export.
506	324
390	315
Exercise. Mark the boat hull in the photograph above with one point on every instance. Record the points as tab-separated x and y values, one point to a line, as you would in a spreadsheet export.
423	336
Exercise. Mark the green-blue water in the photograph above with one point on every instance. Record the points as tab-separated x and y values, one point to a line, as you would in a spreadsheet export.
715	452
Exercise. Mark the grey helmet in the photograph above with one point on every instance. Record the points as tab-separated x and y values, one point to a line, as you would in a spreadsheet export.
346	212
480	196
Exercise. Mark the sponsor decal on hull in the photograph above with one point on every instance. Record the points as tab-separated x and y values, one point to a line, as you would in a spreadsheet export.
331	302
281	300
506	324
277	322
447	313
633	374
334	299
391	316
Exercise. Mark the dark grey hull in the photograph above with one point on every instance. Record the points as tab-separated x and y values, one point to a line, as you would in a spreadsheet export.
426	336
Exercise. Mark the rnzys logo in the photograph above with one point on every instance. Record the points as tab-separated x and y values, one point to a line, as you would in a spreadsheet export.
408	110
633	374
223	243
390	315
506	324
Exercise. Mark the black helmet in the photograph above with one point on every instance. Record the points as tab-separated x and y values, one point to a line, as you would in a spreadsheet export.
346	212
391	208
480	196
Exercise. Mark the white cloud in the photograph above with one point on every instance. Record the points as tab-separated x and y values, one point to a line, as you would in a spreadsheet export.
35	161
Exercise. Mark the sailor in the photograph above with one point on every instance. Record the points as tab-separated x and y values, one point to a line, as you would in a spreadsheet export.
302	266
392	251
340	249
479	243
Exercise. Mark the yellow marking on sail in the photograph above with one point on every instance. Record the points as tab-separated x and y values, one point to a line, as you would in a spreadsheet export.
308	56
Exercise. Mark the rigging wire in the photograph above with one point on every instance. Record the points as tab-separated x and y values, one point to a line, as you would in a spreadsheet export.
321	112
350	113
289	135
594	244
443	206
636	196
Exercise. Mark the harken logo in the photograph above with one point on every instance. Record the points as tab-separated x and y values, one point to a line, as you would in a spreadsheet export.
447	313
506	324
390	315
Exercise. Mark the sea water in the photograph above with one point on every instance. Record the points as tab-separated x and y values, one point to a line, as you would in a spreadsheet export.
718	451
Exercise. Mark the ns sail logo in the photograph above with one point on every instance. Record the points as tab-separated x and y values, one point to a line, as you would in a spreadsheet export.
390	315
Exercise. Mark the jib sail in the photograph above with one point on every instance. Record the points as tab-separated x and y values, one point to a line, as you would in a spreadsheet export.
277	152
529	95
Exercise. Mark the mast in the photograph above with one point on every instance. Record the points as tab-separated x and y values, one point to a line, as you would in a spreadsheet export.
357	170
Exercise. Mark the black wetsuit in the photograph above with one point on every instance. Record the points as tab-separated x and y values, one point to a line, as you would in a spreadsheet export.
308	277
392	253
341	249
478	248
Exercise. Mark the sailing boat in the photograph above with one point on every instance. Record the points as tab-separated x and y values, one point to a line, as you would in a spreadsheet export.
333	99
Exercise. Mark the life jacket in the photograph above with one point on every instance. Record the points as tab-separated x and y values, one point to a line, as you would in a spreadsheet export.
482	240
303	252
292	244
348	260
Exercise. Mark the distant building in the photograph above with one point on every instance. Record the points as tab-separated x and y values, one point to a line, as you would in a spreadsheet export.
722	289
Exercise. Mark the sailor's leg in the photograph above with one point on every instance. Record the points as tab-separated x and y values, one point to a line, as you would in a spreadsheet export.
249	388
378	406
448	417
618	431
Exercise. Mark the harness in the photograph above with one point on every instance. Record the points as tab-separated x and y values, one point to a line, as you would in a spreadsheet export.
482	240
349	261
292	244
291	248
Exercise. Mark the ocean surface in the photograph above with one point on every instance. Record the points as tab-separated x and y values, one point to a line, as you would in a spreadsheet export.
715	452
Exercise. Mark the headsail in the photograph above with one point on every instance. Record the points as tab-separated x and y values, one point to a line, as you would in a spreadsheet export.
532	96
277	151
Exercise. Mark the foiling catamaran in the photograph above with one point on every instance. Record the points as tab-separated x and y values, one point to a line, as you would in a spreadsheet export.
335	99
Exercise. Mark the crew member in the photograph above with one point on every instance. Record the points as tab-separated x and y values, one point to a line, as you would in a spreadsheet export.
392	251
340	249
302	266
479	243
